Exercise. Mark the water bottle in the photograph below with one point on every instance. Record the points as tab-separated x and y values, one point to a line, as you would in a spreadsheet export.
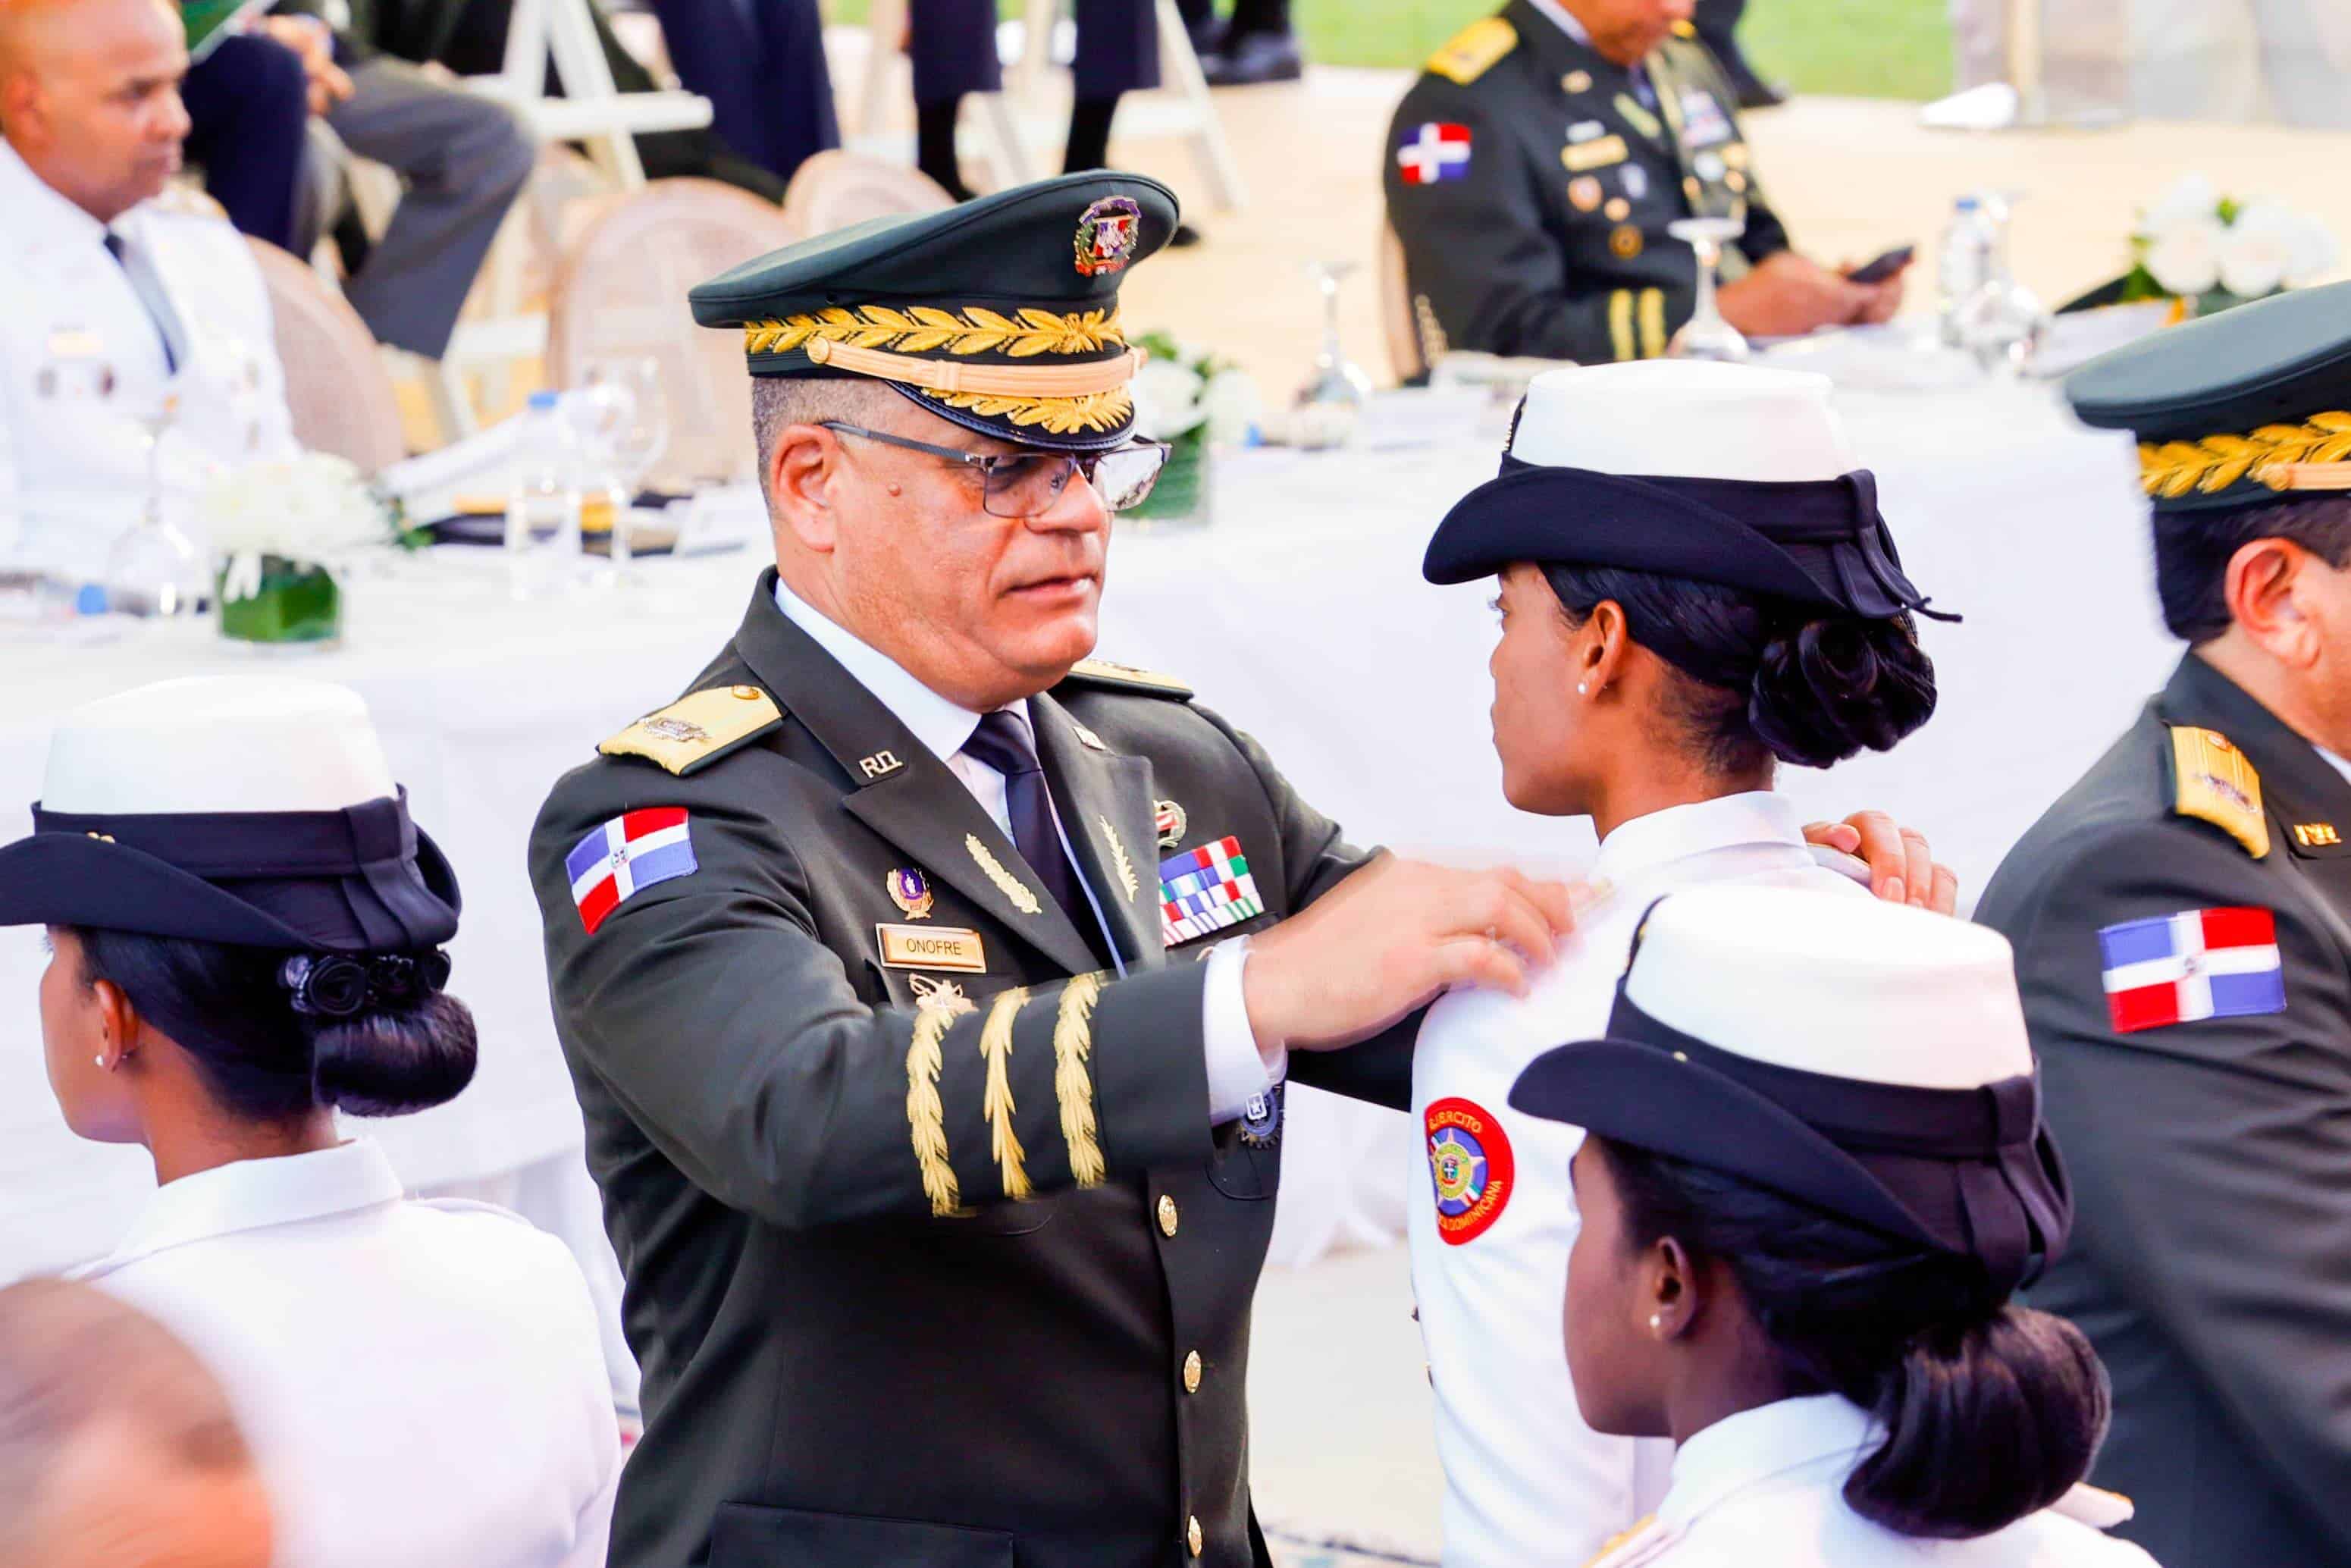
543	508
1963	265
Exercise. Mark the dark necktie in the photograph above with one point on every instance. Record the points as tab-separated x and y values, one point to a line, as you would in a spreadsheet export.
142	284
1002	742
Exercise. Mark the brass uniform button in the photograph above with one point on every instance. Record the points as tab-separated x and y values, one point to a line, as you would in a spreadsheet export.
1692	189
1576	81
1192	1536
1192	1373
1735	180
746	693
1167	1214
1619	209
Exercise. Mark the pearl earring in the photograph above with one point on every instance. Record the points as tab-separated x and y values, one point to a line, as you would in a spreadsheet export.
100	1059
1583	688
1656	1323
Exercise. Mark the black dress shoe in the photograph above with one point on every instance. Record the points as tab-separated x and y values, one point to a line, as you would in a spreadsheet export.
1254	58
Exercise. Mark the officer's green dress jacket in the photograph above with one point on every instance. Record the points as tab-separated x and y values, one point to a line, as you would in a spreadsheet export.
1551	242
2210	1260
857	1351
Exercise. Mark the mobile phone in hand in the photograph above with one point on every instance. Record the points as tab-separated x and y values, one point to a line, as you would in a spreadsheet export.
1883	265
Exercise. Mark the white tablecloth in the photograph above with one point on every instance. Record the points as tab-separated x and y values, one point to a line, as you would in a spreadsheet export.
1300	615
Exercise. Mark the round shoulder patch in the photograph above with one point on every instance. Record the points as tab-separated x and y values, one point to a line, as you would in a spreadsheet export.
1469	1163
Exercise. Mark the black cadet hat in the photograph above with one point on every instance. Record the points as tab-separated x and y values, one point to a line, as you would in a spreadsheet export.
1000	314
2250	407
1864	1058
1724	474
249	810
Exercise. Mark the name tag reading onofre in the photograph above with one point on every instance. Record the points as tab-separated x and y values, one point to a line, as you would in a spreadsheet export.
931	947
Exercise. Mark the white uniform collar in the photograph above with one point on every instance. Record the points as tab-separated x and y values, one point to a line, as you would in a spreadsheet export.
1750	817
1753	1446
1565	19
2337	763
940	725
251	1195
41	215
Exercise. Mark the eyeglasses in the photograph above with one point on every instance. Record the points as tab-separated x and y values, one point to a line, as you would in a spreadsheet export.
1029	483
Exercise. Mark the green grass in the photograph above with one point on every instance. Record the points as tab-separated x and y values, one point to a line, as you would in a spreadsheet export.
1861	49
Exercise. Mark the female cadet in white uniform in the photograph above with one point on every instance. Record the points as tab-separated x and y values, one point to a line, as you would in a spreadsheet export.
1694	586
247	929
1812	1172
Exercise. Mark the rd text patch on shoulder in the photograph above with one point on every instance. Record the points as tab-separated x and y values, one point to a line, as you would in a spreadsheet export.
2197	964
627	853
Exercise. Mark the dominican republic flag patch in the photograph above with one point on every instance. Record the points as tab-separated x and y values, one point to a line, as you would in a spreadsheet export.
2197	964
1434	152
625	854
1206	890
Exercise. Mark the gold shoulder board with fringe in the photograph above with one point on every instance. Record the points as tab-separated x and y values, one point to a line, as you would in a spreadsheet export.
1472	51
1126	677
2211	780
697	729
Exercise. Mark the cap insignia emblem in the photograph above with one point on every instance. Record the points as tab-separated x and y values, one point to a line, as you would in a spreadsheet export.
911	892
1106	235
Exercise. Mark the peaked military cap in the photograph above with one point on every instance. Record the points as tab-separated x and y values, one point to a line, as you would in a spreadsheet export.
2245	408
1000	314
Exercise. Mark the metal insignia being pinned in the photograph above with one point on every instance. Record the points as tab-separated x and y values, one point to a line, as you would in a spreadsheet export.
1168	820
1261	1119
911	892
945	994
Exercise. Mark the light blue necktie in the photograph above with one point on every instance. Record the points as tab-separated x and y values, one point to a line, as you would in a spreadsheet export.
149	289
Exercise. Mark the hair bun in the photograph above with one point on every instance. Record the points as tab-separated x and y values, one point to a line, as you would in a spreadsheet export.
1828	688
393	1059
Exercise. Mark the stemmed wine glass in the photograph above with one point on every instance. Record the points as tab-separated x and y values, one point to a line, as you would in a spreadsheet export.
628	431
1705	335
154	568
1333	399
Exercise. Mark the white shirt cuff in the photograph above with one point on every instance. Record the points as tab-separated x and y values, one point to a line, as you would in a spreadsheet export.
1238	1070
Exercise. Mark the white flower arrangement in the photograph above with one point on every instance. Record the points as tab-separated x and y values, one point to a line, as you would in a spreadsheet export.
1182	388
308	510
2192	242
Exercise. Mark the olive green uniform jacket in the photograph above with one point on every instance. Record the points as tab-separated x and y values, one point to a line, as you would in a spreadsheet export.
1550	241
859	1349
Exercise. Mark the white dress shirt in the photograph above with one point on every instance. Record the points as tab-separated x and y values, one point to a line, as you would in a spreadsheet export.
1765	1488
82	357
1238	1072
422	1382
1527	1483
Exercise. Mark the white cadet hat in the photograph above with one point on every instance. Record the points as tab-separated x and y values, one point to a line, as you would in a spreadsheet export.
1723	474
257	810
1866	1058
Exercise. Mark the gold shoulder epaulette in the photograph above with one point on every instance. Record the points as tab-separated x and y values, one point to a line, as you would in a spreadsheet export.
697	729
2210	779
2095	1506
1127	678
1472	51
1629	1548
1685	30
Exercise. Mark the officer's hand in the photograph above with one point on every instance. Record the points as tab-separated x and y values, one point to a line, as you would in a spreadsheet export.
1389	938
1902	870
1785	295
1882	300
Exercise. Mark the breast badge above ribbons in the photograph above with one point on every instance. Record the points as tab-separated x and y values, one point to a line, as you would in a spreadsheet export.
626	855
1168	820
911	892
1433	153
1471	1166
2198	964
1206	890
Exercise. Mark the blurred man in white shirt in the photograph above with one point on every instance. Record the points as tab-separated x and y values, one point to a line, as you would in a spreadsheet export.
122	315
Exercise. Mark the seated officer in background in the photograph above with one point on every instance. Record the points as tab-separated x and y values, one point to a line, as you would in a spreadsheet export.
2180	924
118	306
1532	171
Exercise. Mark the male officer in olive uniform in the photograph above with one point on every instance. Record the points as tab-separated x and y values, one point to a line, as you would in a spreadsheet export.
2182	926
1532	170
